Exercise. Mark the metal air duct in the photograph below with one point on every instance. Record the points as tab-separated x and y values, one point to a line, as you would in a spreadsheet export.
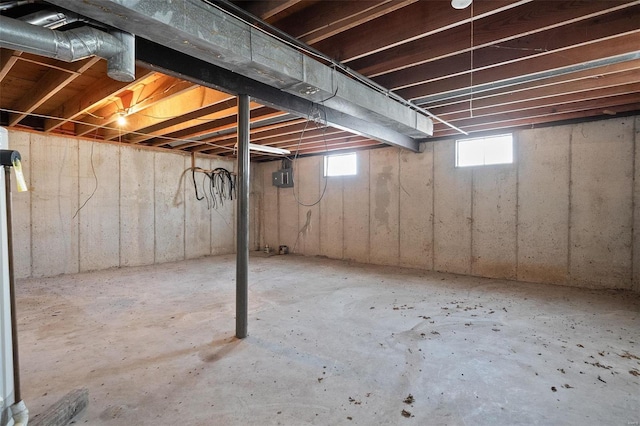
290	79
72	45
51	19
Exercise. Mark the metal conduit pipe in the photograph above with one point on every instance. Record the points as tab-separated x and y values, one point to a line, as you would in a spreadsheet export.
72	45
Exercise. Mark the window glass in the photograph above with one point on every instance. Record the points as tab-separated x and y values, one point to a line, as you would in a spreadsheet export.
484	151
340	165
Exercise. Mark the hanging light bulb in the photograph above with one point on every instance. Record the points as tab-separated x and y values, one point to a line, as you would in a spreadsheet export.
460	4
122	120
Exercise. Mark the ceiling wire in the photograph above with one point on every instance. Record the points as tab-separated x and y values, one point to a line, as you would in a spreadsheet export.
315	115
312	117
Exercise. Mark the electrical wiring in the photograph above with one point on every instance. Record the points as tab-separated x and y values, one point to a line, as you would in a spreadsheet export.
95	177
303	230
315	115
218	185
320	123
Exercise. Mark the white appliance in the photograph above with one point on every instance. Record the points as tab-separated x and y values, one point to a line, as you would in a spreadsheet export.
6	357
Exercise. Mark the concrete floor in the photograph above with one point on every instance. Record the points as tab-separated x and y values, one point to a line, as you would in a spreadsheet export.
330	343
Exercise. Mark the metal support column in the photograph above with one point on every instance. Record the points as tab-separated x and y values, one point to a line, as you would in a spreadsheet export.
242	214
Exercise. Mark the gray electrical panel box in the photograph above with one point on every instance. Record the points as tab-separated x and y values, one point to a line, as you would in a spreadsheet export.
283	178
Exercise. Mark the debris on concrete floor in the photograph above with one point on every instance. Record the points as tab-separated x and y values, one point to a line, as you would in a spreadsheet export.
406	413
154	345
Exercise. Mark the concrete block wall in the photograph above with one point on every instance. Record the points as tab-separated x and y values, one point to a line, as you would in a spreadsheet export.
566	212
143	210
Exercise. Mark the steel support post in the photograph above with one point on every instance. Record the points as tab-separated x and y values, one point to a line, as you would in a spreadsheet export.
242	215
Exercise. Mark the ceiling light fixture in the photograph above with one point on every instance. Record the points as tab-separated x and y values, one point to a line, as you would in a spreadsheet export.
267	149
460	4
121	120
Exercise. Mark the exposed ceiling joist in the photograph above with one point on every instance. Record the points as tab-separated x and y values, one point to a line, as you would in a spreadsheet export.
549	43
214	36
52	82
407	24
536	69
258	133
211	122
317	22
492	66
556	23
8	58
616	82
266	9
602	95
89	99
203	130
541	114
194	110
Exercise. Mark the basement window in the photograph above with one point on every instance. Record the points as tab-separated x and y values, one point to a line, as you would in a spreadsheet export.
484	151
340	165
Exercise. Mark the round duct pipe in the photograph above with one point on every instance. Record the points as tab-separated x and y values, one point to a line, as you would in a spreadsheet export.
122	65
72	45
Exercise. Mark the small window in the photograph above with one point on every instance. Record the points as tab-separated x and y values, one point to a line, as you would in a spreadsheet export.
340	165
484	151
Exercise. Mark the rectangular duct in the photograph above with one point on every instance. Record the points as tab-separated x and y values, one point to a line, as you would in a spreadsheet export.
216	37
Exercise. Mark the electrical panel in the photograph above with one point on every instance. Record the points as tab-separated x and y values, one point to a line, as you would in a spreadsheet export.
283	178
